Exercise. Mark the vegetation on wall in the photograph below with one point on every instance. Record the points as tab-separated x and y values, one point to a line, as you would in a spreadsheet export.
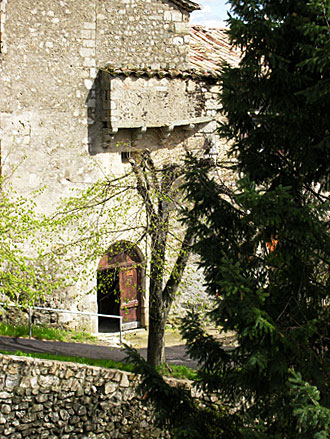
29	267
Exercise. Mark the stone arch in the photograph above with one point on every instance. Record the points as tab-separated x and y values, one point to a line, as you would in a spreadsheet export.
121	287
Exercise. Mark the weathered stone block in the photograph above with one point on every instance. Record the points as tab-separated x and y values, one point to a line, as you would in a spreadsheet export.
89	43
110	387
87	52
181	28
12	380
176	16
64	415
91	25
5	409
124	381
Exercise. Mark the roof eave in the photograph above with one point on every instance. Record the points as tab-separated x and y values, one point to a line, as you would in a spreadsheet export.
193	73
188	5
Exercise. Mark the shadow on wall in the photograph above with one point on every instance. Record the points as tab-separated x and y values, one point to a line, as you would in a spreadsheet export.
95	115
102	137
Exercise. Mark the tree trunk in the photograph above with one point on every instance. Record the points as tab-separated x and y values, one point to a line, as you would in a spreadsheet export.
156	337
157	310
158	196
160	300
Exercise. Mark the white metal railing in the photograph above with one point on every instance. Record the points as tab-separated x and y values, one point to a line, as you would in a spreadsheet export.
30	308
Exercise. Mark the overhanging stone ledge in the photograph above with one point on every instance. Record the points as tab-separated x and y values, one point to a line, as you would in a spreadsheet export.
138	129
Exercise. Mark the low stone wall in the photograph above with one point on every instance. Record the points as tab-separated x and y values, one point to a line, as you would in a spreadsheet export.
50	399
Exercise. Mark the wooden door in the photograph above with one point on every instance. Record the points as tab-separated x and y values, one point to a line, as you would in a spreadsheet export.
129	296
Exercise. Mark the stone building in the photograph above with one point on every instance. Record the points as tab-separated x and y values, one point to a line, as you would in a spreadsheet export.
95	80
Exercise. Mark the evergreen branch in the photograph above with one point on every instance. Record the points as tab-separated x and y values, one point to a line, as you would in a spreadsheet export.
176	410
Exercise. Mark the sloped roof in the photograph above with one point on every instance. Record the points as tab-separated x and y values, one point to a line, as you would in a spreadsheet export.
209	47
192	73
187	4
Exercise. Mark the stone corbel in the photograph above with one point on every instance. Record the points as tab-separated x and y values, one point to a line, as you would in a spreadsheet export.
138	132
109	135
167	131
188	127
113	131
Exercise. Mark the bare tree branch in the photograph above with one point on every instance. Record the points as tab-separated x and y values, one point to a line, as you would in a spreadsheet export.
142	190
149	161
179	267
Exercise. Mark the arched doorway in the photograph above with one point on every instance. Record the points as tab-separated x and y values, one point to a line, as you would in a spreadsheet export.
120	277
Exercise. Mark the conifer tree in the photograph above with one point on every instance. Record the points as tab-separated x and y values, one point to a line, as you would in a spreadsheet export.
265	248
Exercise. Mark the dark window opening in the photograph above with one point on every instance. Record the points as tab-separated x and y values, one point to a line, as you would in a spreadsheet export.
125	156
108	299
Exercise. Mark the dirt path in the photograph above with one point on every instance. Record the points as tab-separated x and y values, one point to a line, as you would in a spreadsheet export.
175	354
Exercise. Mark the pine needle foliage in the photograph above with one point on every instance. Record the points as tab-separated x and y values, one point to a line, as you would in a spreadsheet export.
265	247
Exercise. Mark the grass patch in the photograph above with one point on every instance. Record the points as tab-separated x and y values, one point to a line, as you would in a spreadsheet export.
109	364
14	331
45	333
173	371
180	372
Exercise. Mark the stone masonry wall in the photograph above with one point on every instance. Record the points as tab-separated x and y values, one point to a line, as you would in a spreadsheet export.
2	24
142	34
42	399
53	51
51	55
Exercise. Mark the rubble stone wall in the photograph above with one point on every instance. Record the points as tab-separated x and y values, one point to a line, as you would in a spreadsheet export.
142	34
42	399
52	52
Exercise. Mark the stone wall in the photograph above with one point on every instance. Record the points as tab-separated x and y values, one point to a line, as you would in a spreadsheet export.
52	53
49	399
151	109
142	33
2	24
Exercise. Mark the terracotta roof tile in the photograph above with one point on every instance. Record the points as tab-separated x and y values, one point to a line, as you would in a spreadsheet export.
187	4
168	73
209	47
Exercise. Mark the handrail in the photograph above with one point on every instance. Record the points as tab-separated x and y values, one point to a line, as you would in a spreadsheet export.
66	311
